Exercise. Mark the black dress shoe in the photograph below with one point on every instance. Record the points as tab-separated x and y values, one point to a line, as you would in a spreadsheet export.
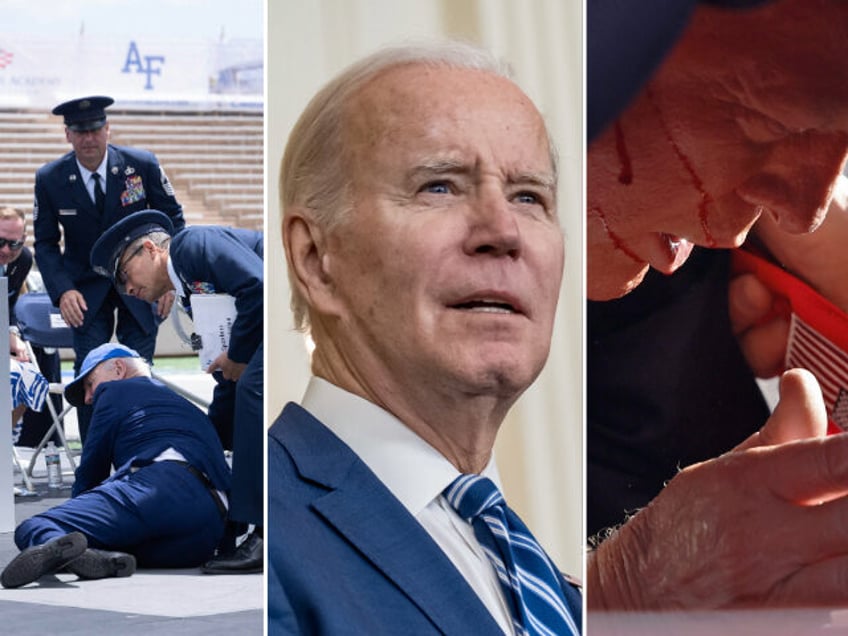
100	564
246	559
38	560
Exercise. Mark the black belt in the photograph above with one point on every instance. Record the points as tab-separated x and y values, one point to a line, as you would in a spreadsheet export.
207	483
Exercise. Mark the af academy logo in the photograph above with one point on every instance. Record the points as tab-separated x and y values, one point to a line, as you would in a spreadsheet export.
148	65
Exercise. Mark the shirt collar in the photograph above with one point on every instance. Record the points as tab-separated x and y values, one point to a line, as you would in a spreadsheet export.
101	170
414	472
178	284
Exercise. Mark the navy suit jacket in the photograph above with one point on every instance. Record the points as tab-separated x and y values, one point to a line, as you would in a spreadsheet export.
345	556
134	420
16	273
134	181
224	260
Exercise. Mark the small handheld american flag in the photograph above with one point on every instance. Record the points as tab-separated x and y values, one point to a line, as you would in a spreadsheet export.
818	333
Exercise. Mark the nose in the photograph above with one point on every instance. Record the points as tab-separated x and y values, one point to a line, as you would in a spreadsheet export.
493	225
796	184
88	395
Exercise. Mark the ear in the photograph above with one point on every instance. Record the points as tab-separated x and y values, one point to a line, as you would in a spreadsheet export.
120	367
308	259
67	134
150	248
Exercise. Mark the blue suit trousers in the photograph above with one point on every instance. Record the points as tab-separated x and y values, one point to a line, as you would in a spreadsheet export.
161	513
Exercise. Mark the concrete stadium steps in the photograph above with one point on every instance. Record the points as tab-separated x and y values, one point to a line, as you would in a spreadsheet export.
213	159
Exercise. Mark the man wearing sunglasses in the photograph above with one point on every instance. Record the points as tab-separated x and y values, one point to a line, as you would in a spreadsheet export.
146	259
15	265
77	198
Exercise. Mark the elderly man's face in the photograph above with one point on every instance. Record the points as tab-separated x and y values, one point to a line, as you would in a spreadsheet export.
11	229
143	272
107	371
449	266
749	116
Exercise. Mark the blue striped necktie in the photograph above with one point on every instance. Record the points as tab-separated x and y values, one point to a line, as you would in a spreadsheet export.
528	577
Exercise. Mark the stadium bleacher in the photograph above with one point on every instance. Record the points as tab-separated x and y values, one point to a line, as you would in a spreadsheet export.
213	159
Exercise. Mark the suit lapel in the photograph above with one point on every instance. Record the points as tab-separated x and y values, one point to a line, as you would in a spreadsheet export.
365	512
78	193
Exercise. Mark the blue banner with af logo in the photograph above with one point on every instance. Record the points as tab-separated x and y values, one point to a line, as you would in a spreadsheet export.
141	70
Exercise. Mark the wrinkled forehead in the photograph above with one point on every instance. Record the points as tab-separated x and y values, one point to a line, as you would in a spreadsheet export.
788	58
438	103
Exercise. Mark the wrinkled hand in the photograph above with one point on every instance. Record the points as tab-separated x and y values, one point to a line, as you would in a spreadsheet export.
762	525
164	304
763	340
73	307
229	369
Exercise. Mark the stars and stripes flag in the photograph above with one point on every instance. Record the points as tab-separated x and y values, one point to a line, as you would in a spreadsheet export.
818	333
5	57
810	350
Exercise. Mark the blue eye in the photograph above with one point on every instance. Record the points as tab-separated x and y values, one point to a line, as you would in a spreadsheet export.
437	187
528	198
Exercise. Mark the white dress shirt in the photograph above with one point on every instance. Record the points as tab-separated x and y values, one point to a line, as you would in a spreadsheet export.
415	473
88	181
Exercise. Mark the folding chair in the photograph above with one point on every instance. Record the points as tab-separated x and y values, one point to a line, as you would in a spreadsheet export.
41	325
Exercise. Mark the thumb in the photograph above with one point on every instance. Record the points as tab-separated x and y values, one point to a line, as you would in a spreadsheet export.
799	414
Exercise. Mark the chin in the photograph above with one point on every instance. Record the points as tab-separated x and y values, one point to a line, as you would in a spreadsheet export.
506	375
612	287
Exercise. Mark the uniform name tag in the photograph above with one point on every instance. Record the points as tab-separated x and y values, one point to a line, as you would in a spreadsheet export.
67	212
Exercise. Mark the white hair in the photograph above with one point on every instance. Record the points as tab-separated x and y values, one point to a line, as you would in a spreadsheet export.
313	173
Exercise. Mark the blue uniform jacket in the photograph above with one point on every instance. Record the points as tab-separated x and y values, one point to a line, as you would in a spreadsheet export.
223	260
134	182
134	420
346	557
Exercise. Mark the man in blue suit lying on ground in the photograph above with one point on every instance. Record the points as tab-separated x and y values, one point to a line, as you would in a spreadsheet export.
166	503
147	259
425	258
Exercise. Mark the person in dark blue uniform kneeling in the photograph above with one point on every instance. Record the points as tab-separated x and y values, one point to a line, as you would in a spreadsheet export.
165	506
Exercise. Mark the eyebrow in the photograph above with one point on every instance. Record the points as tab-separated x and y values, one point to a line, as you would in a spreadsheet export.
543	180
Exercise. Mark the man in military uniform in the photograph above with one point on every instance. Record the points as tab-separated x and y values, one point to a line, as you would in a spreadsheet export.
146	259
15	265
80	195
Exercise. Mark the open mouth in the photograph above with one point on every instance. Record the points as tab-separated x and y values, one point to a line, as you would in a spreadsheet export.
484	305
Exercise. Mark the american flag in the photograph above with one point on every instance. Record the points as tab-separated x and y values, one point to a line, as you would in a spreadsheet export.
5	58
810	350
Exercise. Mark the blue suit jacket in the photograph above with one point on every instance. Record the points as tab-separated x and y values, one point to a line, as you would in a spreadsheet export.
134	420
345	556
225	260
134	181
